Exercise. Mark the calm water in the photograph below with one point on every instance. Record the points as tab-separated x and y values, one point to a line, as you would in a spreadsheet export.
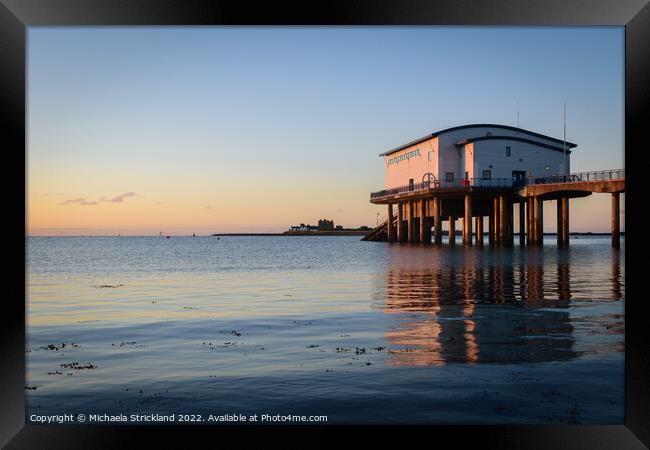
361	332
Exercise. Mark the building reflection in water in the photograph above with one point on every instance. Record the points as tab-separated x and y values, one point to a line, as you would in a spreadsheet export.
499	306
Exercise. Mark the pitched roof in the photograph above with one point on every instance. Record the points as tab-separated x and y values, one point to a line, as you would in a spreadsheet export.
476	125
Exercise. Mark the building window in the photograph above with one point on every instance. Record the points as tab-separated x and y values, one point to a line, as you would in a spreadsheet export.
430	156
487	174
508	150
449	176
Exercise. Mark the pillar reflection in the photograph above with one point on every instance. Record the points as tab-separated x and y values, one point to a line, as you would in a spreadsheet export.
617	281
563	280
447	309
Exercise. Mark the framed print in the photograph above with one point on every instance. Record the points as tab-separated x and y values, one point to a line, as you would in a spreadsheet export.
259	220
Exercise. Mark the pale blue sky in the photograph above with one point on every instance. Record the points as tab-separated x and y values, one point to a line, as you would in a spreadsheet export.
168	112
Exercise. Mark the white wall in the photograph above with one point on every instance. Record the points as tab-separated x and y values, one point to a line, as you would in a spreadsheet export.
398	174
527	157
452	157
468	163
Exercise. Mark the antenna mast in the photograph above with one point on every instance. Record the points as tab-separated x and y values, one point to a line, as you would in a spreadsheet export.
517	113
566	160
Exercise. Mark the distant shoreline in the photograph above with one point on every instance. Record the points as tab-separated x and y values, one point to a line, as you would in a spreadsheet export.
363	233
301	233
304	233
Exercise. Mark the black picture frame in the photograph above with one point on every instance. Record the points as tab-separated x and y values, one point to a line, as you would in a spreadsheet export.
16	15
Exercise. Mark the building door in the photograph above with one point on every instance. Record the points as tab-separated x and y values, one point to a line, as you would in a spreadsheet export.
518	177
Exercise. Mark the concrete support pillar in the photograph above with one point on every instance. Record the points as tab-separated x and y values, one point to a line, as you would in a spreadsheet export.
437	221
530	217
491	229
452	230
409	222
427	230
391	226
467	221
497	219
400	222
511	221
539	221
503	220
424	223
560	231
522	223
415	226
616	224
479	230
565	220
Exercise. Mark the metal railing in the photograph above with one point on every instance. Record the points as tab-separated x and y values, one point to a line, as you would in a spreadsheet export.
442	184
579	177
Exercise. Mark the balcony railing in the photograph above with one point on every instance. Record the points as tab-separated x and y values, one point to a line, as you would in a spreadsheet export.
579	177
602	175
441	184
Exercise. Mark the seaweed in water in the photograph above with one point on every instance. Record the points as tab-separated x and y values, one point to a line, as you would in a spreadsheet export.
77	366
59	347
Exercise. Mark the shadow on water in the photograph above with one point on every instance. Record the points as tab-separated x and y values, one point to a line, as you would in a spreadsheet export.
486	305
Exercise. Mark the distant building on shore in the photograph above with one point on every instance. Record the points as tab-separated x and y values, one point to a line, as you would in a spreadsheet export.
303	227
325	224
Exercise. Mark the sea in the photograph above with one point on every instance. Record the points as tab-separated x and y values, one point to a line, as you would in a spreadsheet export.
322	329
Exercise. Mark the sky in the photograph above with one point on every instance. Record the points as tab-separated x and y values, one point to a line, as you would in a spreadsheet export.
180	130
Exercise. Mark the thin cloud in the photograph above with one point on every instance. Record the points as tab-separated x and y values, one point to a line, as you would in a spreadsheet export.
82	201
77	201
119	198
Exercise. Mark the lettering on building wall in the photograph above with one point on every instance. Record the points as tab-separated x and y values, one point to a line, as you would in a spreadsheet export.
405	156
